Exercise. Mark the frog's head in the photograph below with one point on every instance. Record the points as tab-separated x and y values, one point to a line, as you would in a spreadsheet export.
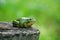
24	22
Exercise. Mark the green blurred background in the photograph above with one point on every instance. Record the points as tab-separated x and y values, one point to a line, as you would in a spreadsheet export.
46	13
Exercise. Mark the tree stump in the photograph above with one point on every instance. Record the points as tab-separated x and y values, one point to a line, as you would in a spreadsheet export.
19	34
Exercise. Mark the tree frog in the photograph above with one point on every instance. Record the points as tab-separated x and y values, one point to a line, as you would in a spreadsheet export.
23	22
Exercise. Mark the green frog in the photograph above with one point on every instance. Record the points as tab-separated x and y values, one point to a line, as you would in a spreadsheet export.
23	22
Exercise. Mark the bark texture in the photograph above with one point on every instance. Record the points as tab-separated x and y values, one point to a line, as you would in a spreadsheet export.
19	34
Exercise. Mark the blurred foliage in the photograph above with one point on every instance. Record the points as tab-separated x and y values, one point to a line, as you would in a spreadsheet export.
46	13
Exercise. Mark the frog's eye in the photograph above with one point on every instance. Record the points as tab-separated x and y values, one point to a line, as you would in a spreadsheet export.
28	20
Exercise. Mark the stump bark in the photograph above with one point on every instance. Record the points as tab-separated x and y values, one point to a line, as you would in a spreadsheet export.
19	34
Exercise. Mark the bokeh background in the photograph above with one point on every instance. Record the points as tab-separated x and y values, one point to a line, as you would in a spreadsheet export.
46	13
